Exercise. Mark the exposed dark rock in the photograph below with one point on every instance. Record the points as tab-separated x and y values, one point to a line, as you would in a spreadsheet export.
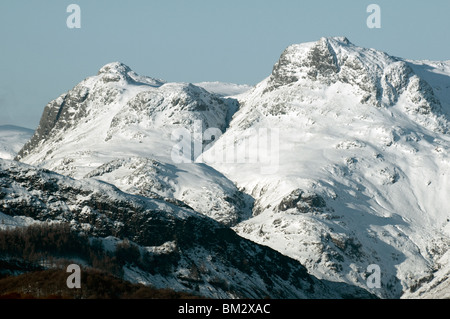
303	201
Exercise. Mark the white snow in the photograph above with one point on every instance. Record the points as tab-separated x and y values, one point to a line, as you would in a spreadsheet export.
364	131
10	222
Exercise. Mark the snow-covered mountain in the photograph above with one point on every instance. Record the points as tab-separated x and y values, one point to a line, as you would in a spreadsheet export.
339	159
361	174
12	139
187	251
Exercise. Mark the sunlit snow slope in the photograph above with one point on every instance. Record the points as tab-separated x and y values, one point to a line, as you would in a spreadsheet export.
361	172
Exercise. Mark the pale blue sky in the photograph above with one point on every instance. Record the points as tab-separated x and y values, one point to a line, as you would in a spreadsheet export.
190	40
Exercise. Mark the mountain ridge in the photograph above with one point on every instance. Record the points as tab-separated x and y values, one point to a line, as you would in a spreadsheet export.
362	161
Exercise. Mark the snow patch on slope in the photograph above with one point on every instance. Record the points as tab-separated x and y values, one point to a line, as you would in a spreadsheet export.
363	164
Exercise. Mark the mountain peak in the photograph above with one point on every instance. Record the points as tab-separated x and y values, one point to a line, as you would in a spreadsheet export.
118	71
379	77
115	72
336	40
115	68
323	60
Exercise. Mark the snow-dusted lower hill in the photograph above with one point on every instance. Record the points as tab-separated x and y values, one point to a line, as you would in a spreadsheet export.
224	89
186	250
353	163
198	186
12	139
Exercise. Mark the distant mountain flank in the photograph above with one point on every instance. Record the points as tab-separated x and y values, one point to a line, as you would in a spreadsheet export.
12	139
